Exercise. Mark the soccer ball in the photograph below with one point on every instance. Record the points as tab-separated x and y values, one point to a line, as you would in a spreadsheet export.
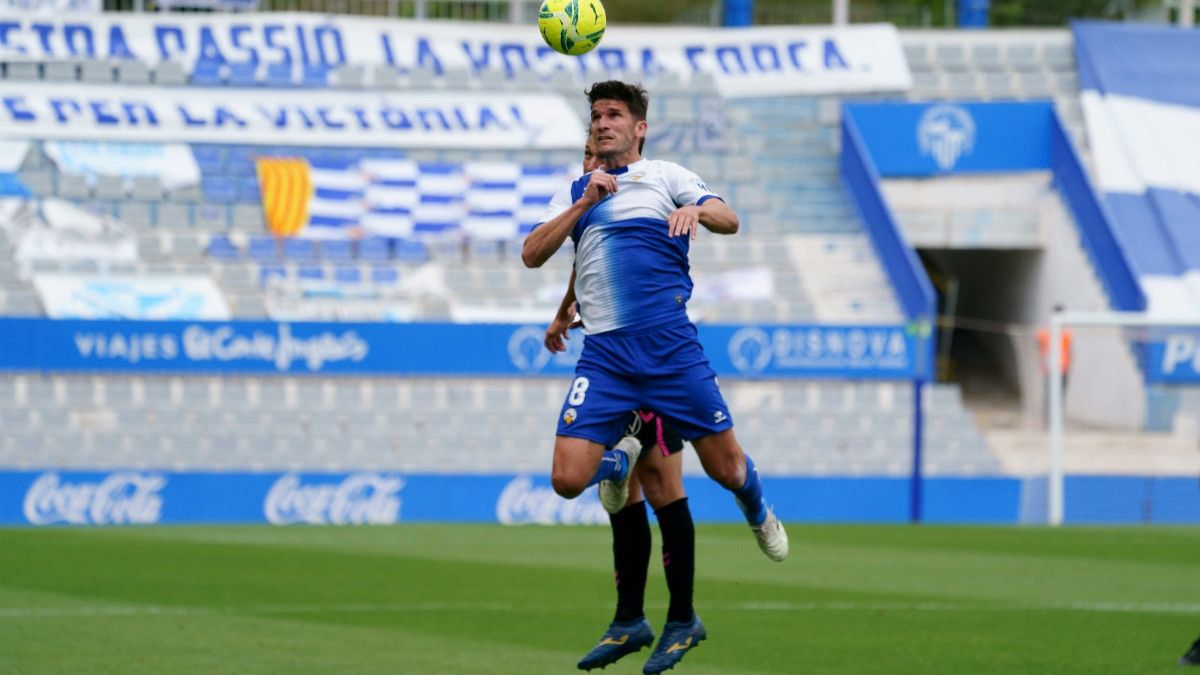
572	27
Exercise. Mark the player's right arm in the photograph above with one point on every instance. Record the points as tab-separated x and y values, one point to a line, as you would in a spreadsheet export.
564	320
548	237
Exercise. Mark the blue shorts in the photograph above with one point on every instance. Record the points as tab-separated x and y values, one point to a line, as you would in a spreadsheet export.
665	371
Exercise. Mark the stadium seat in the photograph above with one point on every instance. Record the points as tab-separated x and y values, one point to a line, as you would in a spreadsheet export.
337	250
185	194
247	190
168	214
384	275
299	250
73	186
917	56
247	217
350	76
347	274
221	247
385	77
375	248
60	71
209	157
950	57
138	215
410	251
220	189
270	271
1022	57
262	248
243	74
110	187
212	217
168	73
40	183
314	76
97	72
209	73
310	273
146	188
24	71
1058	57
126	71
987	58
279	75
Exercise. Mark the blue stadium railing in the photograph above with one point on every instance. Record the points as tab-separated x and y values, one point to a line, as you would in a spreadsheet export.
899	260
1095	226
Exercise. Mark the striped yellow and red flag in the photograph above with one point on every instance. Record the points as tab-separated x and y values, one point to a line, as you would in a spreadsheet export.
286	186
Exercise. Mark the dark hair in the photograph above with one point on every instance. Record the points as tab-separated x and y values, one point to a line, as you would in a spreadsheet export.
634	95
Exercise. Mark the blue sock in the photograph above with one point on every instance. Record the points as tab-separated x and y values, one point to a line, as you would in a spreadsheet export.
750	497
613	466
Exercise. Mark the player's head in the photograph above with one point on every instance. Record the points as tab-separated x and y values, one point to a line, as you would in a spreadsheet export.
591	161
618	119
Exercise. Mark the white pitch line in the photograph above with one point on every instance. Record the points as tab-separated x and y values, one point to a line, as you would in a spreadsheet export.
816	606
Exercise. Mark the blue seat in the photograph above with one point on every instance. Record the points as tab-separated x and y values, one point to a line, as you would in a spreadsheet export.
221	247
299	249
207	72
382	274
219	189
310	272
279	75
209	157
347	274
248	191
262	248
337	250
375	248
314	76
407	250
274	271
243	74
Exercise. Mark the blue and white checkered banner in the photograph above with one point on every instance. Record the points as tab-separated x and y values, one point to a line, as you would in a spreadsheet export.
755	61
288	117
502	350
1141	104
401	198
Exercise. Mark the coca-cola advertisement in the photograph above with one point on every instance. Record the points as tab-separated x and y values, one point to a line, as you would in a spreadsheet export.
358	499
123	498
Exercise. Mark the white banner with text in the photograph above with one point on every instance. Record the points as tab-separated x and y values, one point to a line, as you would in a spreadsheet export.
321	117
757	61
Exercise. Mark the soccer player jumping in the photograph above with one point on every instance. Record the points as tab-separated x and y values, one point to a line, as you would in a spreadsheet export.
631	224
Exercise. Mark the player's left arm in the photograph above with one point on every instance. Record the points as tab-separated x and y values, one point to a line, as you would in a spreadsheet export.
700	207
713	214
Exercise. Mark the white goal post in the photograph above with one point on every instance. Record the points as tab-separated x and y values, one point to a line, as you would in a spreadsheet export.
1181	349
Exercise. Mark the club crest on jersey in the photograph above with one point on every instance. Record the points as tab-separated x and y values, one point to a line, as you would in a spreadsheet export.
637	177
719	416
569	416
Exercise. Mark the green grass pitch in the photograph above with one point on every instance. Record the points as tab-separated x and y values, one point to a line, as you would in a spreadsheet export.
493	599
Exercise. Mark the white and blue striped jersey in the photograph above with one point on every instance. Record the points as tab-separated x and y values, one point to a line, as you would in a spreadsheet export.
629	275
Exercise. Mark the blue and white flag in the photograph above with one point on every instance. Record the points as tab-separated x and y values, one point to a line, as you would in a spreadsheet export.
405	198
1141	103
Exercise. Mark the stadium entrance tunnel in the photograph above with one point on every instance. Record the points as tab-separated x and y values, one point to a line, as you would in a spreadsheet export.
987	307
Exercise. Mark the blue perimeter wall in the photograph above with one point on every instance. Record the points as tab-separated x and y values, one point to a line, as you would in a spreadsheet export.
46	498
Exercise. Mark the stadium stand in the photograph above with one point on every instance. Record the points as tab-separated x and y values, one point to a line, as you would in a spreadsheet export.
800	227
803	257
338	424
